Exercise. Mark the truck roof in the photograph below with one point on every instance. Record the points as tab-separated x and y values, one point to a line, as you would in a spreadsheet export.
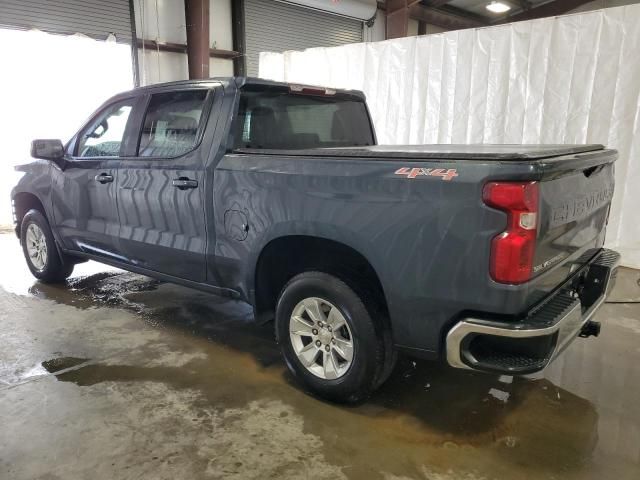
239	82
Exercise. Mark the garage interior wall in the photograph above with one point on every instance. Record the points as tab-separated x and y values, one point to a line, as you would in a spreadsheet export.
276	26
599	4
569	79
94	18
164	21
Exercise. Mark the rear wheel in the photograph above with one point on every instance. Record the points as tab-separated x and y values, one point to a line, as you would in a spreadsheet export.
40	250
328	338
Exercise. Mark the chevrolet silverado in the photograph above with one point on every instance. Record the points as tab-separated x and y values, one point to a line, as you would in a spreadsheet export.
487	257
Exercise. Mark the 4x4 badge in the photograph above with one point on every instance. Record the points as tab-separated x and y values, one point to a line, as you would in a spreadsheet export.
429	172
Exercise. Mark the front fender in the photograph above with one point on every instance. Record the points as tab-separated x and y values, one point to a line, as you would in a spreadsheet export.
34	179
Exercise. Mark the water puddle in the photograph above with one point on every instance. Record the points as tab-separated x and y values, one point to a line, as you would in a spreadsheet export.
458	423
455	423
62	363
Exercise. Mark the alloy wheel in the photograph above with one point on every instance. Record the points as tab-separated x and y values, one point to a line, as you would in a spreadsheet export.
321	338
36	246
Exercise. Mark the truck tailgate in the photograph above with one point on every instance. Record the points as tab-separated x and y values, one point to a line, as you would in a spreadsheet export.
574	209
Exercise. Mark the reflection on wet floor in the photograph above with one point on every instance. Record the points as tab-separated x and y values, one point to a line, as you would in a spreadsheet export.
62	363
581	419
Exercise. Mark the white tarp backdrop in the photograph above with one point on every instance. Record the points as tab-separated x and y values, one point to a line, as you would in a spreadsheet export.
570	79
50	84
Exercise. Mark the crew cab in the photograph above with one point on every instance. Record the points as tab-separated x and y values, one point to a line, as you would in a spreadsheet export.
487	257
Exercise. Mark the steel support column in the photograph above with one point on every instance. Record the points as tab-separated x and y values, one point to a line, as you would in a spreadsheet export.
197	25
397	18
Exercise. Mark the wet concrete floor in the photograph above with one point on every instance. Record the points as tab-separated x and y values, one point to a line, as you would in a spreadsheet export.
116	375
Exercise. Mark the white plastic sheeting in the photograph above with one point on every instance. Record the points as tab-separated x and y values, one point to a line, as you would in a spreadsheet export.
570	79
50	84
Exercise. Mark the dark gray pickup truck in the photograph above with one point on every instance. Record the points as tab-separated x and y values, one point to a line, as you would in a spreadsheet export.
488	257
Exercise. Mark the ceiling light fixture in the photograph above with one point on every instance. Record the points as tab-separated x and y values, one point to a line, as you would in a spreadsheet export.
498	7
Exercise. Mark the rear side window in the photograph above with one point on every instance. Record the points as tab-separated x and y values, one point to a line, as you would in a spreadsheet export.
171	123
281	120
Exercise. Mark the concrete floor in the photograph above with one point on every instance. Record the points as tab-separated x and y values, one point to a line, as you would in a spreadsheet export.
117	376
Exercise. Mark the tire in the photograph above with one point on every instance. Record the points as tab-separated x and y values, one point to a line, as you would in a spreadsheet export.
390	360
35	235
331	374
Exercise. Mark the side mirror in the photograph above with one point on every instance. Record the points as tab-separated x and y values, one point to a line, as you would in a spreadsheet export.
47	149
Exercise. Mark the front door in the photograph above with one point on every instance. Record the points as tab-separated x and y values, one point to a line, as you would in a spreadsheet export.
161	189
84	191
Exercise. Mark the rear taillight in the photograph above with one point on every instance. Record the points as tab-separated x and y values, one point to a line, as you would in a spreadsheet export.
512	251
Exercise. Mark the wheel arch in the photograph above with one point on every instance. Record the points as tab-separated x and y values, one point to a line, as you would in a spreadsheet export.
22	203
285	256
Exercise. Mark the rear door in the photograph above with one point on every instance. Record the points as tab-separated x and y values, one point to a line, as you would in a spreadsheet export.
161	189
84	192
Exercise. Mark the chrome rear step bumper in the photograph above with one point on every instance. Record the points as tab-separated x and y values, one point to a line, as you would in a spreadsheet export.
528	345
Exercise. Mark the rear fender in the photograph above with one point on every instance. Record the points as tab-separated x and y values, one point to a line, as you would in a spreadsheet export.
309	229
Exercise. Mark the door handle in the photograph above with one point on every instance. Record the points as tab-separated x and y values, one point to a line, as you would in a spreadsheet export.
184	183
104	178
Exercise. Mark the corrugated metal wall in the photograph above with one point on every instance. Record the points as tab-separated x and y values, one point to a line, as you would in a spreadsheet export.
94	18
272	26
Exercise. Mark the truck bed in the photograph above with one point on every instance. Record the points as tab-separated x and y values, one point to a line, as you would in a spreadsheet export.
437	230
441	151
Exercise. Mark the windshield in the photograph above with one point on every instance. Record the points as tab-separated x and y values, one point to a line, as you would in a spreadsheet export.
282	120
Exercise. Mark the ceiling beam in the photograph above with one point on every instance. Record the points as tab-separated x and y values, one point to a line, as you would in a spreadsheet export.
398	13
444	19
435	3
550	9
523	4
395	5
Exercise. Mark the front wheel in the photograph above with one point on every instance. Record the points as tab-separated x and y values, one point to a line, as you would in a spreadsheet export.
39	248
328	337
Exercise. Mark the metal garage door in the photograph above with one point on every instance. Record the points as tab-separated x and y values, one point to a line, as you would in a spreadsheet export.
272	26
94	18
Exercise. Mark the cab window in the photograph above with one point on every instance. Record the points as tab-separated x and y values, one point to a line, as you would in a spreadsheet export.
104	136
282	120
171	123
